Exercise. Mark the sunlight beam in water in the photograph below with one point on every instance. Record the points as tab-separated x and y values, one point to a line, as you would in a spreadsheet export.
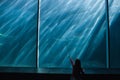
74	27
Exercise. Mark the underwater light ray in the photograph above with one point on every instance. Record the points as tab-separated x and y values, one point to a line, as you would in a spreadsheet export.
73	26
18	25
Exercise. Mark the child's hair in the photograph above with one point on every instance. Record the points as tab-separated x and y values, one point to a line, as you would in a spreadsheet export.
78	63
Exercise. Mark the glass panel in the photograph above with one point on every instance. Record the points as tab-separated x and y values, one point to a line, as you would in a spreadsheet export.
114	33
75	28
18	30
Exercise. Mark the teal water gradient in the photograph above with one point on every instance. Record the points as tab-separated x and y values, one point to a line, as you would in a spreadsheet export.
73	27
18	33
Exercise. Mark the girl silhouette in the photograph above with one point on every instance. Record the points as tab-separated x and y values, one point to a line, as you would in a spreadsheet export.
76	69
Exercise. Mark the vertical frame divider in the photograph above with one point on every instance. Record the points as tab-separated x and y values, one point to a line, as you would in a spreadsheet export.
108	35
38	31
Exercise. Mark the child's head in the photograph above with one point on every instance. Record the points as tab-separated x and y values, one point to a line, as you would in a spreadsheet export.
77	63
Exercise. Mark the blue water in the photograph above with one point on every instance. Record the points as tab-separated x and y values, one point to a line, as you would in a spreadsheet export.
18	30
76	28
114	33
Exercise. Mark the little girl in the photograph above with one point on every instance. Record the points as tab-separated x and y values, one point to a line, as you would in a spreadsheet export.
76	69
